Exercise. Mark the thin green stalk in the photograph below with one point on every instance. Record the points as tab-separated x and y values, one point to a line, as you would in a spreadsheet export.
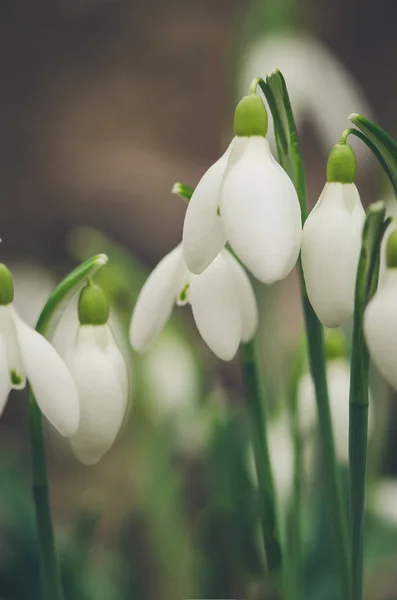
290	159
294	523
50	573
366	283
267	494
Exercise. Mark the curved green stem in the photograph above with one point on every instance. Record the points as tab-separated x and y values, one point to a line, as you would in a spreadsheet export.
290	158
366	283
380	143
50	574
267	494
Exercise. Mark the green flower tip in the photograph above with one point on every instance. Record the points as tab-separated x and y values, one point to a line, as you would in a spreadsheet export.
250	117
6	286
93	306
342	164
391	251
335	344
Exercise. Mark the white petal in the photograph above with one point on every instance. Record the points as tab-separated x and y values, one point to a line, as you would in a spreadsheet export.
103	401
216	307
331	244
380	328
5	384
156	300
261	213
14	360
203	235
117	359
50	379
247	298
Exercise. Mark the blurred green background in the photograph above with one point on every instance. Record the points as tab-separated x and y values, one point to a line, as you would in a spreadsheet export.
104	104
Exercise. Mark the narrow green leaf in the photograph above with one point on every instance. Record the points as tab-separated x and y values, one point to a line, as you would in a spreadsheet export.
381	144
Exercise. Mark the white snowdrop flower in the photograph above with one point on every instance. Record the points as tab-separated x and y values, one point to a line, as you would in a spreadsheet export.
247	199
331	241
222	301
100	373
380	318
25	354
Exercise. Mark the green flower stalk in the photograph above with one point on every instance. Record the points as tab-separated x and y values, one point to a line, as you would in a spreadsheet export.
290	158
50	574
366	284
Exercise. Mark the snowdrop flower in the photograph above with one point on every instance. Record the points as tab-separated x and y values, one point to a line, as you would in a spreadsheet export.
380	318
331	241
101	378
222	301
25	354
247	199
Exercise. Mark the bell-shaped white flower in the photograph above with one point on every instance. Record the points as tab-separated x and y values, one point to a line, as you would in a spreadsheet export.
261	214
380	318
222	301
331	243
25	354
100	374
247	199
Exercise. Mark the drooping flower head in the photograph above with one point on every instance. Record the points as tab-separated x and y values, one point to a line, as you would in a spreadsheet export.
331	241
221	297
248	200
100	373
25	354
380	318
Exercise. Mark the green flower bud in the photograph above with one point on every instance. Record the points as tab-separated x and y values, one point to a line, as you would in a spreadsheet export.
391	251
335	344
342	164
6	286
250	117
93	306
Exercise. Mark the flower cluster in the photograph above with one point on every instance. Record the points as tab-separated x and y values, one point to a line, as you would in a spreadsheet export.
245	214
84	392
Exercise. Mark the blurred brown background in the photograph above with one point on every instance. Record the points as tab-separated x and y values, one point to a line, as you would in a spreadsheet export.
104	104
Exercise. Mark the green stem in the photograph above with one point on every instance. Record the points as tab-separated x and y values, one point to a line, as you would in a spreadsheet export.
366	283
267	494
294	524
50	573
290	158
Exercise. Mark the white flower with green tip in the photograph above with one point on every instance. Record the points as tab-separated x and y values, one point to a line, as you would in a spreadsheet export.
331	241
100	373
247	199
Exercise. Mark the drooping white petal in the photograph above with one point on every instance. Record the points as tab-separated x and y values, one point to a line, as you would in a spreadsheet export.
117	359
247	298
203	234
102	398
51	380
156	300
5	384
331	244
216	307
14	360
261	214
380	328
